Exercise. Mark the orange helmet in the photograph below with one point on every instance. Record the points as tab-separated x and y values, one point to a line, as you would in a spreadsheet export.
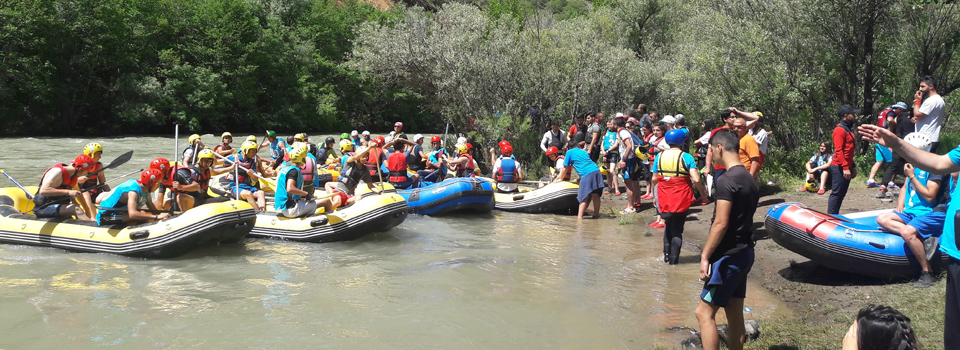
161	164
84	162
506	150
552	150
435	138
150	177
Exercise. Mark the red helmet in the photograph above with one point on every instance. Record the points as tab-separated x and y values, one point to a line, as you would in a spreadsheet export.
504	143
161	164
150	177
435	138
552	150
507	150
84	162
469	146
379	141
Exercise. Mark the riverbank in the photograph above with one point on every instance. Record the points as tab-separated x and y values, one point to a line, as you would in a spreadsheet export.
825	302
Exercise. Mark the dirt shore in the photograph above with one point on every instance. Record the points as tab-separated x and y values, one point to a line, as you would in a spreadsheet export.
824	301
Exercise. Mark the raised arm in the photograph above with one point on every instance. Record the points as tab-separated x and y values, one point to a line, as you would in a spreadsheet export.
936	164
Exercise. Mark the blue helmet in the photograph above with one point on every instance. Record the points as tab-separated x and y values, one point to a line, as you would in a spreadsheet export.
675	137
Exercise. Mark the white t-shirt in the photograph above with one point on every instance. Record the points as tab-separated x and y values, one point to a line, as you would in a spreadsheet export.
933	108
761	138
504	186
705	139
624	137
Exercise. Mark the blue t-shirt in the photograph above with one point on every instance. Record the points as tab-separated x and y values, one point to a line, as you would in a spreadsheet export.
113	200
948	241
278	148
581	161
609	139
914	202
282	198
687	159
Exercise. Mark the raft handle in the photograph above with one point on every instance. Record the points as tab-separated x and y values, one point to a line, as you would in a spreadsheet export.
398	214
239	226
878	245
319	222
139	235
518	197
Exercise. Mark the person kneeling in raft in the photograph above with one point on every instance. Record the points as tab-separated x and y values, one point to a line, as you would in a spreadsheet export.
58	186
244	185
353	171
291	200
193	181
123	204
591	184
506	170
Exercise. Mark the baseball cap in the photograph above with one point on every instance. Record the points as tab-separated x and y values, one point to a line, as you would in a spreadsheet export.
900	105
271	133
354	133
669	120
398	124
847	109
366	133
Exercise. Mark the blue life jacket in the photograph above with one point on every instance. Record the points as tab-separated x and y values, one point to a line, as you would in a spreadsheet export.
112	202
507	173
277	151
283	199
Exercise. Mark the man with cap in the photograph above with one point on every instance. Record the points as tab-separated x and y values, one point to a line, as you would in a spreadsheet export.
278	147
124	203
435	170
591	181
365	140
224	148
324	152
416	157
506	169
58	186
886	119
842	168
397	132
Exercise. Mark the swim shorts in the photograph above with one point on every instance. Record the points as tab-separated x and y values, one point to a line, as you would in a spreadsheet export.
50	211
728	278
882	154
929	224
242	187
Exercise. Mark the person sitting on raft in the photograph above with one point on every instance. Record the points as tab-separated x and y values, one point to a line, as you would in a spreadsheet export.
591	181
323	153
376	157
915	219
194	181
463	165
506	170
416	157
91	187
245	184
435	170
353	171
58	186
162	201
224	148
123	204
194	146
291	199
365	141
673	182
397	165
278	147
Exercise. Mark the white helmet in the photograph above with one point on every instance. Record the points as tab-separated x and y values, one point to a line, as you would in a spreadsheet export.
918	140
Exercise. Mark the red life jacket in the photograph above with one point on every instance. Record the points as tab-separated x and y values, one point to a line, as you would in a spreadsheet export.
67	182
882	118
202	177
168	179
373	160
566	177
464	171
397	164
674	188
95	180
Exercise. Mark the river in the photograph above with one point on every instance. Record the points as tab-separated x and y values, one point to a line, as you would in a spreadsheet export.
500	280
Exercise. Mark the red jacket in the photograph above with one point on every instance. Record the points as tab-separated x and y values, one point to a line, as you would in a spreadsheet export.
842	147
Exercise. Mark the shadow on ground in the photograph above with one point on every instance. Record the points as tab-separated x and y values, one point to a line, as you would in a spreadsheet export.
812	273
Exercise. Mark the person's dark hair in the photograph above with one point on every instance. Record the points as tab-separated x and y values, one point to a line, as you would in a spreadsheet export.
660	125
619	122
929	80
709	125
728	138
759	123
654	113
882	328
552	123
727	113
681	121
642	108
289	140
634	114
399	146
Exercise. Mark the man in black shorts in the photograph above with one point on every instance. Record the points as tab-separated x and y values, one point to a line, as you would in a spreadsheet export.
728	254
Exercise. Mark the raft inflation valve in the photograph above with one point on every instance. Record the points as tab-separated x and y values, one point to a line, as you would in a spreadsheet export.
319	222
139	234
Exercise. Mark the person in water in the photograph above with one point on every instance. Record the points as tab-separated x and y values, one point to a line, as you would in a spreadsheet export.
244	185
58	187
291	199
278	147
92	186
194	146
728	255
224	148
195	180
674	184
879	327
397	165
463	165
353	171
123	204
506	170
591	180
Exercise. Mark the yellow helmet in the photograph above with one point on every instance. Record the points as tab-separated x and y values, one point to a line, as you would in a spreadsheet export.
461	149
812	185
252	138
346	146
641	153
248	145
301	136
193	138
225	135
92	148
758	113
205	154
298	155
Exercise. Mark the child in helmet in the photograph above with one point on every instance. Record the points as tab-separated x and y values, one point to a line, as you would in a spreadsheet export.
194	147
244	185
224	148
58	186
95	184
506	170
123	204
291	199
194	180
463	165
816	169
351	174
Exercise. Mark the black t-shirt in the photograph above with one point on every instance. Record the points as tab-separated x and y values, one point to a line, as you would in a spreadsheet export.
904	125
737	186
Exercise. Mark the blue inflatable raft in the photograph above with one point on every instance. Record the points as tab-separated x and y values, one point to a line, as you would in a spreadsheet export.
852	243
461	194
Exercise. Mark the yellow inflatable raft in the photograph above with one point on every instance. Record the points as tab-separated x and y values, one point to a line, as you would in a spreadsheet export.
208	224
560	198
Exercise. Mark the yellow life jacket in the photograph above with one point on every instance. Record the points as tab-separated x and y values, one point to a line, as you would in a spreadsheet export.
670	163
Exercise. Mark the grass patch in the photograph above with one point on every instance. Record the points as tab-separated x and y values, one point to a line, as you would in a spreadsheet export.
648	234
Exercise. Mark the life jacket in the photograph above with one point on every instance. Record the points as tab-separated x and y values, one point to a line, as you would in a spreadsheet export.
350	175
284	199
242	174
465	171
414	160
92	181
507	172
202	177
193	157
882	118
168	179
309	169
654	141
674	191
67	182
397	164
566	177
277	151
222	147
373	160
322	155
555	140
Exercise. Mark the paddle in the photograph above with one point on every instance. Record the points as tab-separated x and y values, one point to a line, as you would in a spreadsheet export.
118	161
173	171
274	183
111	180
15	182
